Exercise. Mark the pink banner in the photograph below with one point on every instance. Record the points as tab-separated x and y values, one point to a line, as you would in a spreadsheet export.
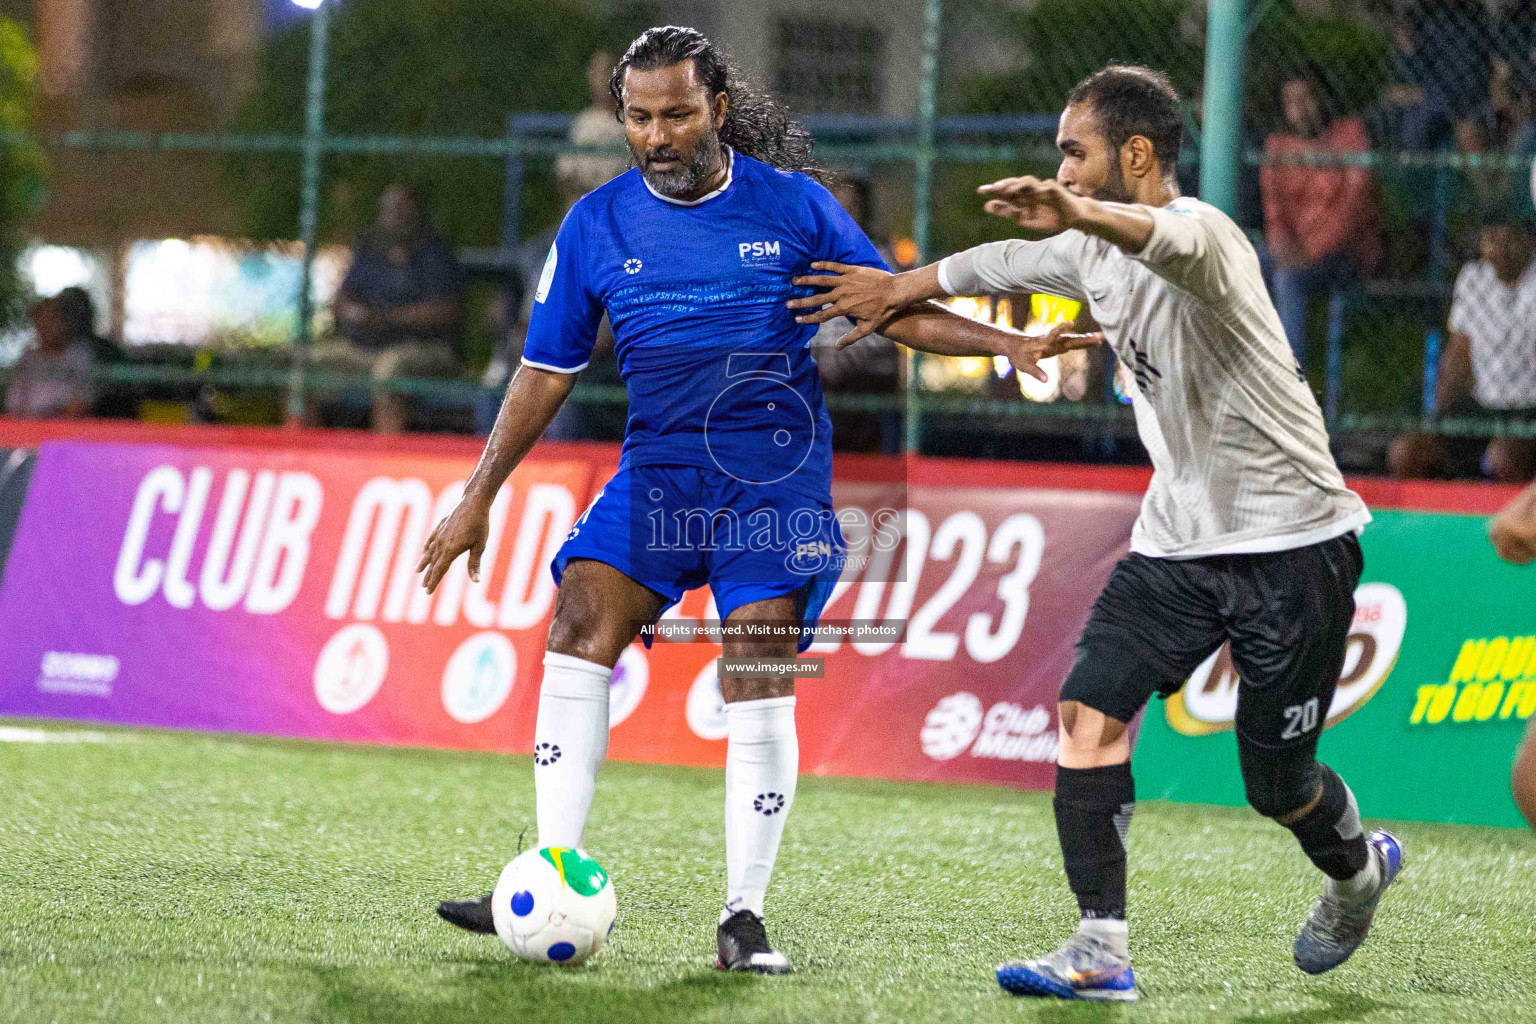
269	590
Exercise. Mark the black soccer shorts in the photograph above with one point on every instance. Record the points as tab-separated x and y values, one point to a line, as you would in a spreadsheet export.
1286	613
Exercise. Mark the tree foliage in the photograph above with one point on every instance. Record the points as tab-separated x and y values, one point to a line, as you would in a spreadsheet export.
21	161
450	67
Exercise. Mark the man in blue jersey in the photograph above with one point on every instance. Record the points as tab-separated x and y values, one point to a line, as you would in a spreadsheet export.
725	477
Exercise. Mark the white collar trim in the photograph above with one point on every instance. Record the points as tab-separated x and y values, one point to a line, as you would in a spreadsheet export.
730	171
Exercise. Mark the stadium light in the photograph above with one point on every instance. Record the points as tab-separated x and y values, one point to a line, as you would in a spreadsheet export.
309	5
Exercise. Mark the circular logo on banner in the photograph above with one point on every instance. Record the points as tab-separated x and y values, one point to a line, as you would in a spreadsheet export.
706	707
630	677
1208	702
952	726
351	668
479	677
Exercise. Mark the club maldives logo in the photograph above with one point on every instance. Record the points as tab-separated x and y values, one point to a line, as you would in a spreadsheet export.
479	677
951	726
627	689
1208	701
351	668
1005	732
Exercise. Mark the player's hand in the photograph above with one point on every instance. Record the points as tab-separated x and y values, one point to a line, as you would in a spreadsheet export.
1513	531
1026	351
1041	206
464	529
863	294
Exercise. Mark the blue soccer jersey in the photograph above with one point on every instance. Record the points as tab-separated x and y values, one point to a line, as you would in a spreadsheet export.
719	374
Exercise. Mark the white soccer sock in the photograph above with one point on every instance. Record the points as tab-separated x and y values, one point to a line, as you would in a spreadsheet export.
1113	932
570	741
1366	880
762	762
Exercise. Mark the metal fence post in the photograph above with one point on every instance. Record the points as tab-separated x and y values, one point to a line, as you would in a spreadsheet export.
922	197
309	202
512	187
1226	46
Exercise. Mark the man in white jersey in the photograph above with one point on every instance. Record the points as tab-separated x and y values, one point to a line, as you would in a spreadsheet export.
1247	534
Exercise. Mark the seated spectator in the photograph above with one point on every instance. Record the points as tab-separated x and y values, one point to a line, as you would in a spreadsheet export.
52	379
598	124
1320	221
1489	364
571	422
79	313
870	366
398	310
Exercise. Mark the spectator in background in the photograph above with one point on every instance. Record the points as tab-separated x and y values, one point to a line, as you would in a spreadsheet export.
597	125
79	315
1489	363
571	422
398	311
870	366
1440	55
1320	222
52	379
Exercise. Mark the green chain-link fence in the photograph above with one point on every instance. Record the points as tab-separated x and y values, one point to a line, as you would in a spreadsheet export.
1409	126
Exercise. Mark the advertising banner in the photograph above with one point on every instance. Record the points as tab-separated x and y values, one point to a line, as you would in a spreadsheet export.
1439	681
273	591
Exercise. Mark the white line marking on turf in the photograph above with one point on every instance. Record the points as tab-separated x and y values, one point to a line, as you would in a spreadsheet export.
9	734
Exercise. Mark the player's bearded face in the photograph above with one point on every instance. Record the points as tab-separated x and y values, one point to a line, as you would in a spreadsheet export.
679	172
672	124
1089	166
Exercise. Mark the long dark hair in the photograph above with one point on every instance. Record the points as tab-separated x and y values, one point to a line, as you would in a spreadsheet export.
755	123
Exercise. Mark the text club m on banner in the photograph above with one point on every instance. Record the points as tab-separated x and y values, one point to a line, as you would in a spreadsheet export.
275	592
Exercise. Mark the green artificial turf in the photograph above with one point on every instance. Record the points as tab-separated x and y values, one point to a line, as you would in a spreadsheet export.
167	877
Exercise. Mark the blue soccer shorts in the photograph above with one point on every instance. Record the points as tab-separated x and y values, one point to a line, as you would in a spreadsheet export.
675	528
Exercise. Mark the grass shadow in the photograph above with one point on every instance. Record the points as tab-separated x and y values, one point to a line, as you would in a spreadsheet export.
513	991
1074	1012
1337	1007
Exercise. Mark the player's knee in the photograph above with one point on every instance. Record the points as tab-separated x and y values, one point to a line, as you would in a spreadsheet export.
1510	460
1412	456
578	625
1279	786
1087	728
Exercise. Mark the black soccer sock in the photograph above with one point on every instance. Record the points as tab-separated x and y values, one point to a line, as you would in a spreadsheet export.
1093	813
1330	833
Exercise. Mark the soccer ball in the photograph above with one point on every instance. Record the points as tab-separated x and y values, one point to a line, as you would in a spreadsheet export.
554	905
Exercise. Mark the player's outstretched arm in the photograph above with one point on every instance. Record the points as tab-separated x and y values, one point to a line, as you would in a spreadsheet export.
866	295
932	328
533	397
897	306
1043	207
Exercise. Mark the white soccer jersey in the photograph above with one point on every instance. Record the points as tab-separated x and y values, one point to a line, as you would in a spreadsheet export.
1239	453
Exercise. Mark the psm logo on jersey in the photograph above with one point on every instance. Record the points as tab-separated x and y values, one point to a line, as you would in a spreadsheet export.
633	266
757	254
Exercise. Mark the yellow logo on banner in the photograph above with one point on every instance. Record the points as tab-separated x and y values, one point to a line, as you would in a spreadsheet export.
1208	701
1493	678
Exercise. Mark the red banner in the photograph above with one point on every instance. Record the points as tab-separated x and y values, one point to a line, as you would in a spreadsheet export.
271	590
